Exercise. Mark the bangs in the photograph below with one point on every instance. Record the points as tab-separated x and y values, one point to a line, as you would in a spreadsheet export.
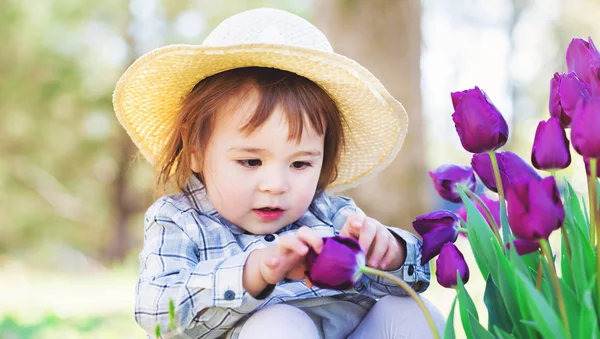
301	100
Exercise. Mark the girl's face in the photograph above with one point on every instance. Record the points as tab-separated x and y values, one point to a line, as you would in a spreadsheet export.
261	182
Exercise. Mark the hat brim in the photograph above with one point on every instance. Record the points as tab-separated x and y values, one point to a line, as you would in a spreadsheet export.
150	93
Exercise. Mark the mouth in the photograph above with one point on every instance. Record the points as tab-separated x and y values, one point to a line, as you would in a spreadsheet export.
269	213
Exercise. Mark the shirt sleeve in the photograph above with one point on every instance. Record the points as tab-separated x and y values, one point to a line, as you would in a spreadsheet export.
412	272
208	295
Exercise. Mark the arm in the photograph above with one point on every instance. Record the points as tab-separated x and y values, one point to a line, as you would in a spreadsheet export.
209	295
407	262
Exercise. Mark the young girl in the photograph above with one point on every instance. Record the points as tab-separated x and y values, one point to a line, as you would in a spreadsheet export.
249	129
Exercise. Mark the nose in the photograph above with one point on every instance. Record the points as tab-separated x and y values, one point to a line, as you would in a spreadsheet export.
274	182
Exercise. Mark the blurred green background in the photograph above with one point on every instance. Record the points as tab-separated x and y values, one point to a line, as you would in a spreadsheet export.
73	189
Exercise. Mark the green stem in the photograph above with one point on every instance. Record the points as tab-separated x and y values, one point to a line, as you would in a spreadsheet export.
463	230
488	214
594	207
559	295
408	290
538	278
498	183
592	198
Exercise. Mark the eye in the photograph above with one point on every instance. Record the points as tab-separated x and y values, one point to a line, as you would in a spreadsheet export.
251	163
301	164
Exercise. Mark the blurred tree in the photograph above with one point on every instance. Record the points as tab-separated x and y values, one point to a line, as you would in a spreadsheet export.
385	37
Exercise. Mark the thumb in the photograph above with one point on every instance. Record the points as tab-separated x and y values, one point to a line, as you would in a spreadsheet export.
353	225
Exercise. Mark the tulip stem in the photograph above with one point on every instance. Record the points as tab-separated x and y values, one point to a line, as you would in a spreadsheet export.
488	214
463	230
592	197
408	290
538	278
561	302
498	186
594	209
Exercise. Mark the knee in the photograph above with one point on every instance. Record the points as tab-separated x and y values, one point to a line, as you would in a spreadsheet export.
392	306
278	321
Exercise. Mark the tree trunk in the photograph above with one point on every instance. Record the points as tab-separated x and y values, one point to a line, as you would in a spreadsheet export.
385	37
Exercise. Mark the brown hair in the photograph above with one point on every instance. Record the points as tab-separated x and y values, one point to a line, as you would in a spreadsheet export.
301	99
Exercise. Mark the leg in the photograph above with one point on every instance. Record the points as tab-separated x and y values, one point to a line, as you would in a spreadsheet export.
279	321
399	317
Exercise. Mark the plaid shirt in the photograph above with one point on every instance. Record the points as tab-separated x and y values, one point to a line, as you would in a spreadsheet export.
195	257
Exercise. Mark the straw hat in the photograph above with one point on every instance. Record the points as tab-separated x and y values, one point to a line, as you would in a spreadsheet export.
149	93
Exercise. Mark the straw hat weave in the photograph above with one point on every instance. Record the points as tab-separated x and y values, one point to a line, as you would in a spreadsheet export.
150	92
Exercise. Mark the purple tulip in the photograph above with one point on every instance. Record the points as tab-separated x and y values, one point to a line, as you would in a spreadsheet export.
478	122
450	261
550	147
566	90
586	161
512	169
338	265
585	128
523	246
584	59
492	205
534	209
436	229
446	177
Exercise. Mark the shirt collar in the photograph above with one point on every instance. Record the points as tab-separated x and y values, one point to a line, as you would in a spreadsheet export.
196	193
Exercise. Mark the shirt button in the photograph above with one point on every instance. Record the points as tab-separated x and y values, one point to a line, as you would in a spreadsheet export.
229	295
411	269
269	237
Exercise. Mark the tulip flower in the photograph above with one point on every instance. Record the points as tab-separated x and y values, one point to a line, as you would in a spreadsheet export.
585	128
480	126
566	90
446	177
450	261
534	209
523	246
492	205
338	265
512	169
550	147
586	161
583	58
436	229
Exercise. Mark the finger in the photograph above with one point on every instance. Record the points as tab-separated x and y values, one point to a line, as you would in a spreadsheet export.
272	262
353	225
297	272
311	238
308	283
390	255
367	234
379	246
292	244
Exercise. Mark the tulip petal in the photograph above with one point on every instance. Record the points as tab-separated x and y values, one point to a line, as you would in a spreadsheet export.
478	122
550	147
338	265
585	127
445	178
512	168
524	246
450	261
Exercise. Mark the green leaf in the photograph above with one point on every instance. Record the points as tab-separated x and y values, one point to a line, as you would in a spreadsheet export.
588	321
475	222
157	331
573	309
545	318
449	332
478	331
171	314
466	307
497	314
501	334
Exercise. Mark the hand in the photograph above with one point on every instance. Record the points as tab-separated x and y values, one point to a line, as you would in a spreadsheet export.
285	260
383	250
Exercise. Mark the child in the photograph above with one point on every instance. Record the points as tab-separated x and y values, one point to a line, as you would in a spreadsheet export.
249	129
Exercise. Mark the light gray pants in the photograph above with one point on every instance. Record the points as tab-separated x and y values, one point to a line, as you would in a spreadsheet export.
390	317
